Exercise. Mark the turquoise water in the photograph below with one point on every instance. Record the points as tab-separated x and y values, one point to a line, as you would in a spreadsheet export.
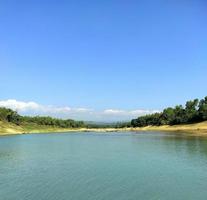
125	166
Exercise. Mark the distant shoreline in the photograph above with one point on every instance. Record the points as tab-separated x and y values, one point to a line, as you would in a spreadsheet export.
198	129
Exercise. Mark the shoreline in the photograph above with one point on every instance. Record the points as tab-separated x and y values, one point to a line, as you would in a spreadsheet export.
198	129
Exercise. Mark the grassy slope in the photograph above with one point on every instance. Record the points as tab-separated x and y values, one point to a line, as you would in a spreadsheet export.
9	128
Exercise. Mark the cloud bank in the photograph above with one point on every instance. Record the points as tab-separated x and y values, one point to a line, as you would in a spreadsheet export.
86	114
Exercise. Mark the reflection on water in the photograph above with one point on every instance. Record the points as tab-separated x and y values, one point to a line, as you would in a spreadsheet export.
187	144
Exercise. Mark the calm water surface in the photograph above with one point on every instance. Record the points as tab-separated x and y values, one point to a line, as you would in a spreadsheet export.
125	166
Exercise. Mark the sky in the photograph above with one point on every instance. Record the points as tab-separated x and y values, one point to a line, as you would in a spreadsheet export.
101	60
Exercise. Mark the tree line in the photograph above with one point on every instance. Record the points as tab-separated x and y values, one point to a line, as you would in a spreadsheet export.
193	111
12	116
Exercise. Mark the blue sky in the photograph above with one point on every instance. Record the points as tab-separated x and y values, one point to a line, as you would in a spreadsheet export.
103	55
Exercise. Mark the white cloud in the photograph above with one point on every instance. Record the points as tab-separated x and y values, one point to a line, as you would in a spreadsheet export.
33	108
24	107
20	105
82	109
129	112
113	112
143	112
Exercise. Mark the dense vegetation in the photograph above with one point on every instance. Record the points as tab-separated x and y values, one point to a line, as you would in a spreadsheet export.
9	115
12	116
194	111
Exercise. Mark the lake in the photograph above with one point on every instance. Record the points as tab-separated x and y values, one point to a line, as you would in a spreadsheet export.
110	166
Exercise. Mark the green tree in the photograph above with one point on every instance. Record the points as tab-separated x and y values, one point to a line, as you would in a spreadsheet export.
191	111
194	111
202	111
